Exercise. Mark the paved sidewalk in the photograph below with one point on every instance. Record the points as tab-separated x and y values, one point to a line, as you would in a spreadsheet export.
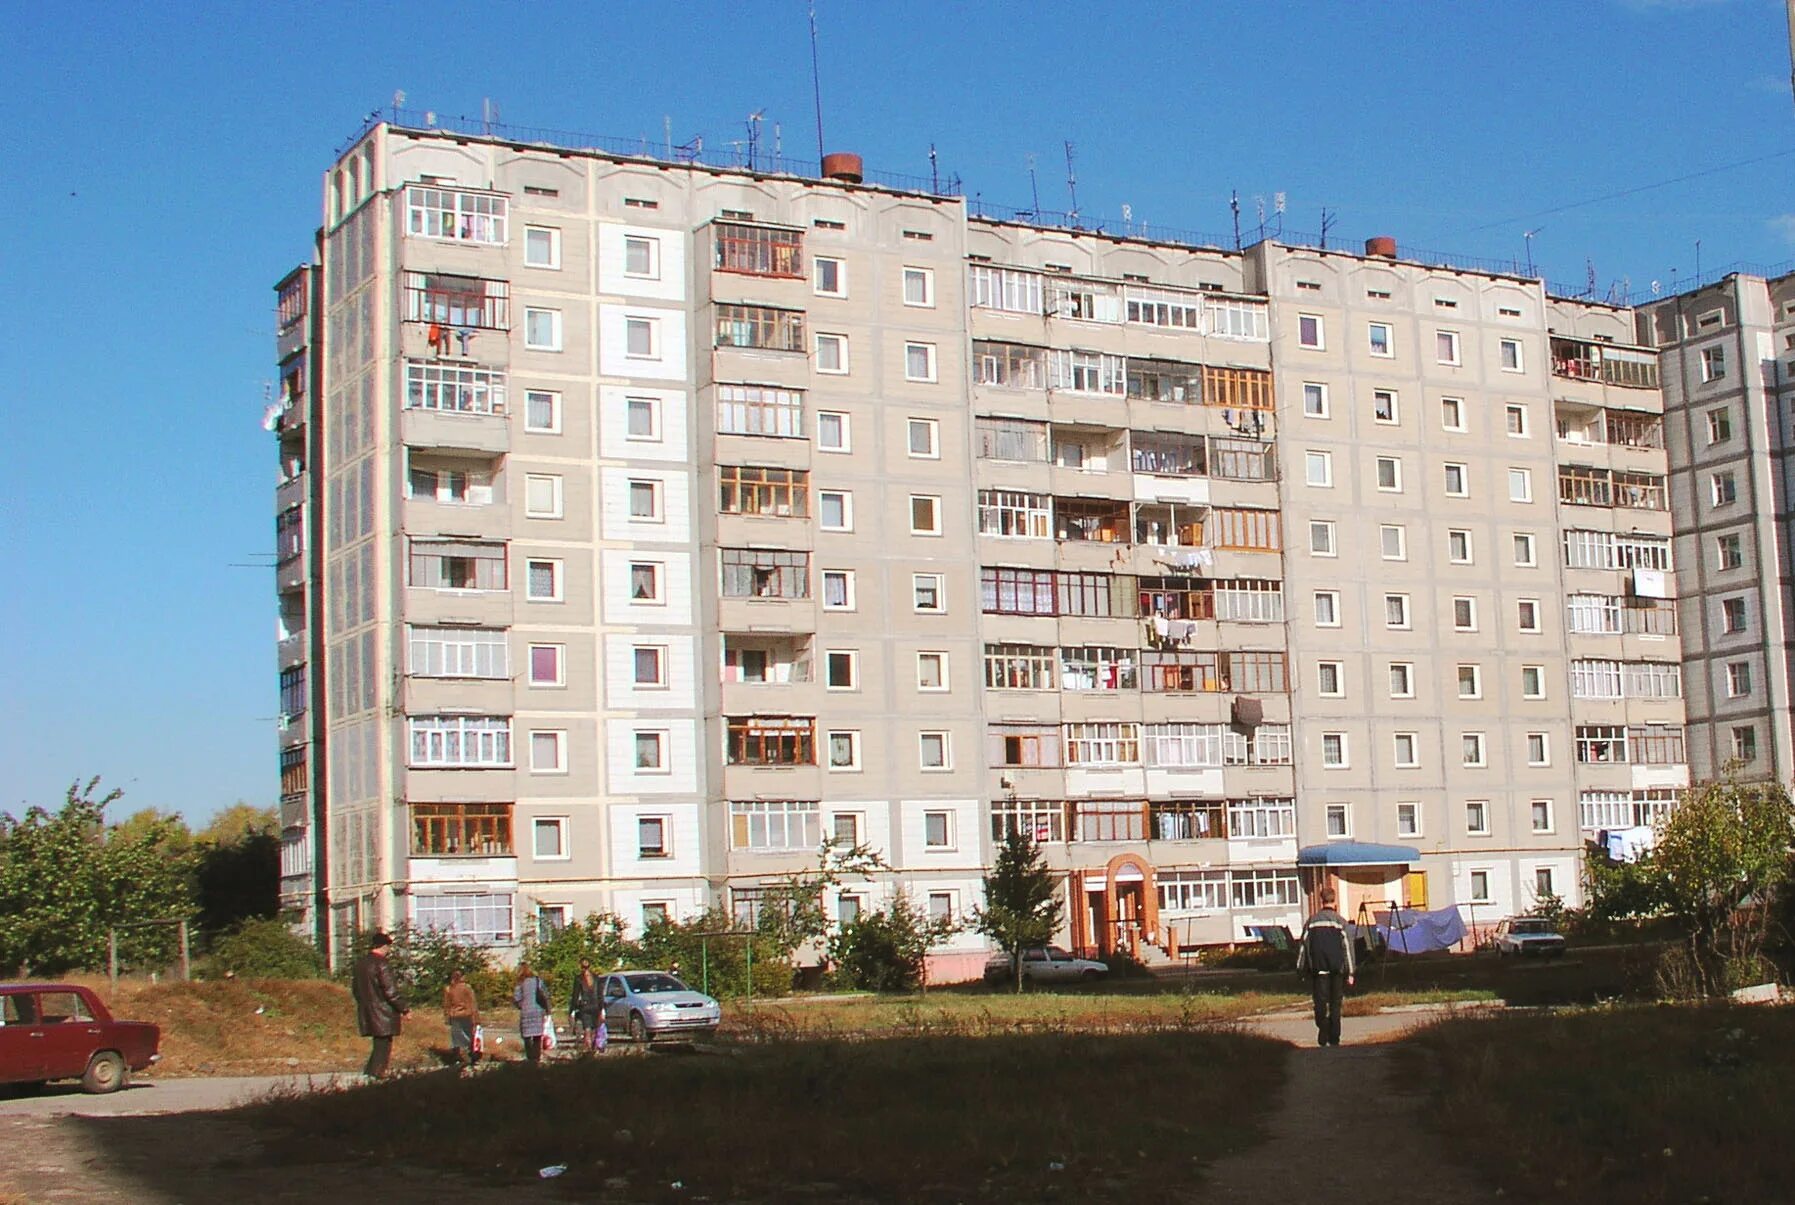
148	1096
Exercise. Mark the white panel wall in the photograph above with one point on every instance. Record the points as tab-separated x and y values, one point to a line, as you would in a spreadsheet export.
668	283
613	425
682	834
669	360
966	834
621	692
676	591
681	775
875	822
675	525
682	902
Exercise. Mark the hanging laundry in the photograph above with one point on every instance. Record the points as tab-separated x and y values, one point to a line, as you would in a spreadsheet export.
462	336
1162	627
1181	630
1200	558
438	338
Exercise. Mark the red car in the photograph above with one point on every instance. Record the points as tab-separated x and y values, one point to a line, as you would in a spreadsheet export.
60	1031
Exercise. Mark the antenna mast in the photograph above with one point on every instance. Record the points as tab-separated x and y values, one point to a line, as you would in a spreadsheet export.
1071	186
816	84
1234	204
1327	226
1034	188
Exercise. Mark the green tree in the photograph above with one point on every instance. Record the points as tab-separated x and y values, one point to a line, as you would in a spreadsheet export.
66	879
264	949
598	939
792	909
423	960
237	867
1022	905
885	951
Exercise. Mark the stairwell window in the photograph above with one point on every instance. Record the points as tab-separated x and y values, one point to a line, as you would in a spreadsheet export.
1713	362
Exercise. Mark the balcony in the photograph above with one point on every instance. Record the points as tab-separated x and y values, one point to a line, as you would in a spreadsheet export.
760	328
290	650
755	250
1583	486
1605	363
291	491
455	303
295	809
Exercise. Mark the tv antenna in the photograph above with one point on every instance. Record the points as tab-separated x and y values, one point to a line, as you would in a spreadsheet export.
1589	277
816	84
1071	187
934	171
1234	204
1278	200
489	115
754	120
1034	188
1527	237
1327	226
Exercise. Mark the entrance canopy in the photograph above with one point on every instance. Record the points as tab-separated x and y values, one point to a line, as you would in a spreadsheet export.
1356	853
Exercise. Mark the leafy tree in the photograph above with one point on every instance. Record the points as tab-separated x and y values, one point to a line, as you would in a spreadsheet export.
1022	905
264	949
792	911
423	960
884	951
237	867
66	879
238	822
598	938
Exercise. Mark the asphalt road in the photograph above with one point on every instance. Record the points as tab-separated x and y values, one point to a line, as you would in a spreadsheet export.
146	1096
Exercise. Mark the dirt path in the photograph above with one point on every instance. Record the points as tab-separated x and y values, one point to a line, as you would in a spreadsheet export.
1346	1127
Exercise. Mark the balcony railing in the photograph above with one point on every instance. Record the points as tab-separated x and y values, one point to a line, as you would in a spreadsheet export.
1581	486
1632	368
1619	428
759	326
457	301
759	250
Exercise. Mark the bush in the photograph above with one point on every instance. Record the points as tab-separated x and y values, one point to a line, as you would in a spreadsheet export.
423	960
263	949
883	951
686	945
598	939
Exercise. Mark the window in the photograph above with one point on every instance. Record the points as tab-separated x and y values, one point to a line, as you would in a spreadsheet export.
924	438
1541	813
649	665
455	565
457	653
775	825
1472	748
456	216
1738	679
1321	537
770	741
1520	485
1339	820
1315	399
941	906
1477	822
1732	615
758	250
447	481
640	338
645	581
844	752
1515	416
546	664
1480	887
542	581
1470	682
453	388
1509	354
1318	468
1402	679
835	510
1526	550
919	286
1327	608
1330	678
1745	743
1408	820
833	431
645	500
760	326
1007	289
832	353
919	361
542	411
1309	331
1538	749
1452	413
764	573
1405	750
462	741
548	751
542	329
1333	750
1464	613
542	247
1378	336
1729	552
1396	611
1713	363
838	589
1383	406
1542	882
542	495
1527	614
777	493
641	256
1720	425
1458	546
1725	488
931	671
1446	347
925	515
935	750
1393	541
651	842
830	276
650	750
549	843
843	669
1457	478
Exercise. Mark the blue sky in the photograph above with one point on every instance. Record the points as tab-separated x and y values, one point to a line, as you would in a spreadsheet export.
163	171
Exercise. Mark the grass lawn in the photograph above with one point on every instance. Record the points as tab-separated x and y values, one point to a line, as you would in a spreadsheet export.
1634	1104
924	1118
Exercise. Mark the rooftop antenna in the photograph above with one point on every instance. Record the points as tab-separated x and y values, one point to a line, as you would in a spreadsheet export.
1698	263
1128	218
1072	186
1234	204
816	84
1589	277
1259	208
489	114
399	97
754	120
1527	237
1277	201
1034	188
778	147
1791	8
935	165
667	133
1327	226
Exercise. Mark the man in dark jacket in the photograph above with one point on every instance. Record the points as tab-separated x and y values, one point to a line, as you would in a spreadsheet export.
379	1009
1326	954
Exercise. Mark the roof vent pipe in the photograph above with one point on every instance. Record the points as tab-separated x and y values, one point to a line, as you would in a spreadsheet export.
843	166
1382	246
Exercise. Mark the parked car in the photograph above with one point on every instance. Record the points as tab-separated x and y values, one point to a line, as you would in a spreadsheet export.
1044	964
1529	936
61	1031
654	1005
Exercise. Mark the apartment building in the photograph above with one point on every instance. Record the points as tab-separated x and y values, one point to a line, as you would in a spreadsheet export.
1727	352
643	524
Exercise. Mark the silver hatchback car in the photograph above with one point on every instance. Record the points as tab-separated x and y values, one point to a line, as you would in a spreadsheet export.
654	1005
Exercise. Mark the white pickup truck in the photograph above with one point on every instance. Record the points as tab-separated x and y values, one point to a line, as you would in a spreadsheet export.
1044	964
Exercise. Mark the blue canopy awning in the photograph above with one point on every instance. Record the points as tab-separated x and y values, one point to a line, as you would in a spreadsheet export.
1357	853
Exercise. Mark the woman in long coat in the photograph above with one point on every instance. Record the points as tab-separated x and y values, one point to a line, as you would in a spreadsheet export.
531	997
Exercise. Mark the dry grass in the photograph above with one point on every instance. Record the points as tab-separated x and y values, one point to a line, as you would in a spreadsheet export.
1014	1116
1638	1104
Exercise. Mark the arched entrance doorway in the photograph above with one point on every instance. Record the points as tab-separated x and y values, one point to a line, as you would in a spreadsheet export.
1126	915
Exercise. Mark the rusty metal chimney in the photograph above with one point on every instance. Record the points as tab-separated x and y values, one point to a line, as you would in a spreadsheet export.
1382	246
843	166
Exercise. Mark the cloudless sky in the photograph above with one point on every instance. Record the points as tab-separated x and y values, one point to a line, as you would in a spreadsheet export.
163	167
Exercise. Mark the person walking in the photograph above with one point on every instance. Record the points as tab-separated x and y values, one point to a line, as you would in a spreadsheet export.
379	1009
589	1006
461	1009
531	997
1326	955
